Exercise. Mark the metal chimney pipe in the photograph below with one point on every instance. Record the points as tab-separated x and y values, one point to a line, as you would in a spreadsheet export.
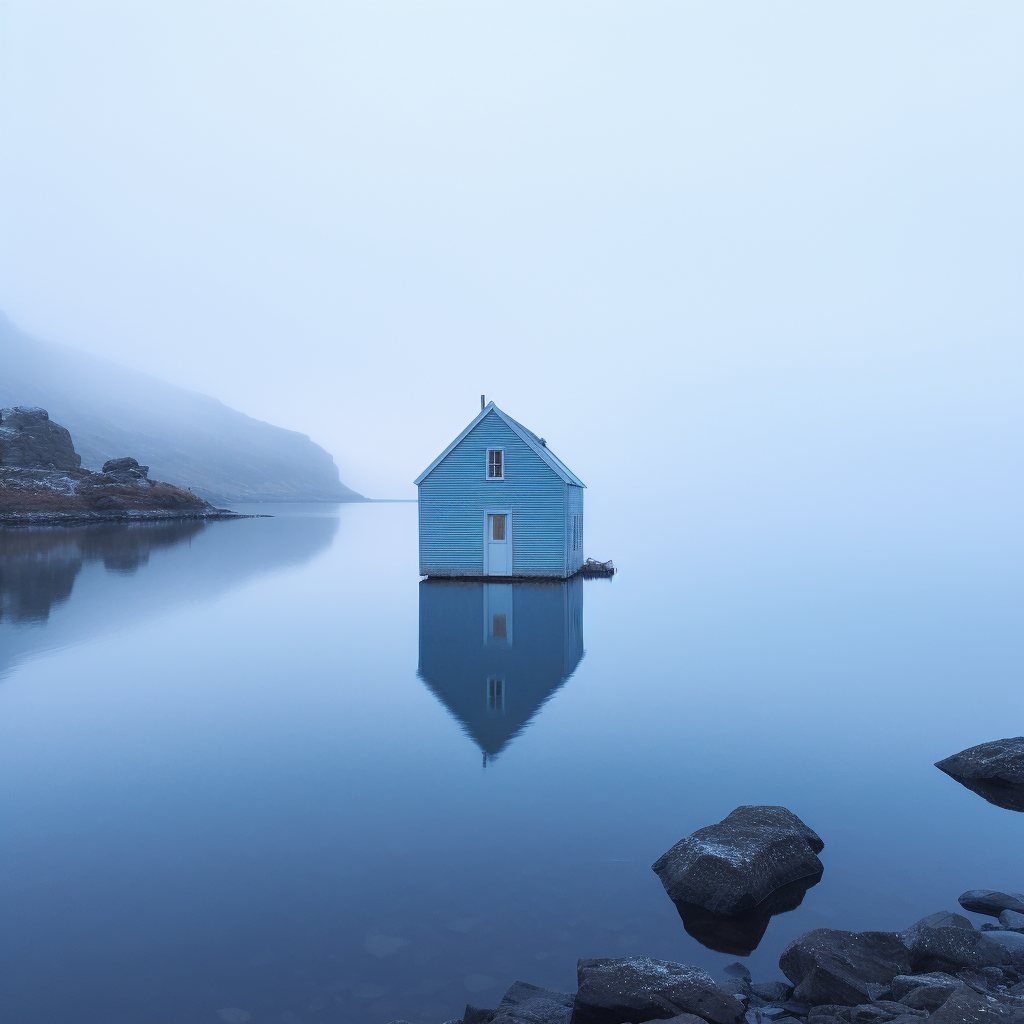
481	403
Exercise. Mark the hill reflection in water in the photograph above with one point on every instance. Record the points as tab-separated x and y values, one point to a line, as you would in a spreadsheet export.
494	653
38	568
64	586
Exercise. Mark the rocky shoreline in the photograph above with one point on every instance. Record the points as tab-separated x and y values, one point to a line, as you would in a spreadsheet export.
42	482
941	968
28	519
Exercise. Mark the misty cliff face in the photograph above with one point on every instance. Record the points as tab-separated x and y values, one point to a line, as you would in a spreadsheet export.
187	439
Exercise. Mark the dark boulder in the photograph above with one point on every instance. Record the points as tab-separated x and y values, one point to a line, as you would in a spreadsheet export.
991	902
993	770
740	934
940	919
127	471
954	949
1009	940
632	990
772	991
736	864
925	991
29	439
530	1004
120	465
524	1004
849	968
966	1006
1013	920
880	1012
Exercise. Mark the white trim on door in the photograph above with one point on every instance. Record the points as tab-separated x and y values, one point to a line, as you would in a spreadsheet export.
507	512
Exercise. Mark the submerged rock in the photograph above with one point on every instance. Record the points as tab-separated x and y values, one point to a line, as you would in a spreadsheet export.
735	865
847	968
632	990
739	934
993	770
991	902
524	1004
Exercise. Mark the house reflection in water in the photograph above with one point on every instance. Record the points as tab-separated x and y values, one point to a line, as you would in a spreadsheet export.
493	653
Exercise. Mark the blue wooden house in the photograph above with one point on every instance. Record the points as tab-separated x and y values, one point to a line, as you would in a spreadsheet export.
498	502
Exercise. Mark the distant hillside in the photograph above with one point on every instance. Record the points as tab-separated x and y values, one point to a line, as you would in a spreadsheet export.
185	438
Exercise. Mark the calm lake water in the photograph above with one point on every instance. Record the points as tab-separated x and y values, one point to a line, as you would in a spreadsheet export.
259	766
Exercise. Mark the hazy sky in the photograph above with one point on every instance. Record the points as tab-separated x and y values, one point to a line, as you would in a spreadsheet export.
750	250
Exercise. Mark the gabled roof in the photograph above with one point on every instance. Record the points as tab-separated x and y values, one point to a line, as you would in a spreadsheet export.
528	437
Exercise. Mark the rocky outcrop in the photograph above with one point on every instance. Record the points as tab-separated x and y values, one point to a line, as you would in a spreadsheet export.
41	480
993	770
635	989
29	439
736	864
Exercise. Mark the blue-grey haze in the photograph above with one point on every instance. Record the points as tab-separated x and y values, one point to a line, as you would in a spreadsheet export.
786	237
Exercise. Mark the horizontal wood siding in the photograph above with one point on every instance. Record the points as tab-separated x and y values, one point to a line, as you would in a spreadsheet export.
455	495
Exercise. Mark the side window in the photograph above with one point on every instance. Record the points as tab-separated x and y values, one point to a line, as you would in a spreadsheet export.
495	464
577	532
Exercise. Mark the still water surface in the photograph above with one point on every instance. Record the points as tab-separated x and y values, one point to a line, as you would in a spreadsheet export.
259	766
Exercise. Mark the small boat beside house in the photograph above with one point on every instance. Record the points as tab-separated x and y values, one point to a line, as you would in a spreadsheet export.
497	502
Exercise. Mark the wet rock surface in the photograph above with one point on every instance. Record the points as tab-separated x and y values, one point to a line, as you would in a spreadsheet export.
954	949
737	864
925	991
1013	920
634	989
525	1004
991	902
993	770
969	1007
848	968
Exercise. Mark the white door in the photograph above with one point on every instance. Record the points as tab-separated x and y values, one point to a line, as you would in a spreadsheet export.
497	543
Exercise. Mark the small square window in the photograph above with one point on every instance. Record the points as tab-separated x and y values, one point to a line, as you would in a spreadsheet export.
495	464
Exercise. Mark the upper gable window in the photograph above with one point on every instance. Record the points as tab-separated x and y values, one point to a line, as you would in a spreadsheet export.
495	464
